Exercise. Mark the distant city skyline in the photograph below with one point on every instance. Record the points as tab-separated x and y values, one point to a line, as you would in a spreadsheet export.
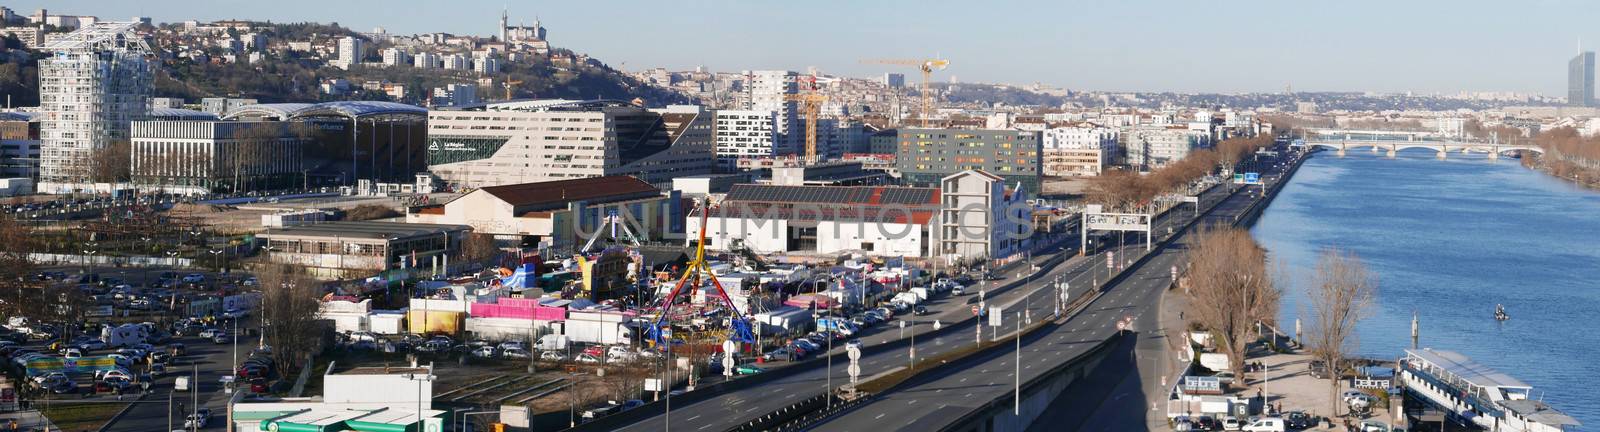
1158	45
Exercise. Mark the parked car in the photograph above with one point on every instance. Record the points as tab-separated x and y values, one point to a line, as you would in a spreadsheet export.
198	420
1266	424
1299	420
747	370
853	343
553	356
483	352
1231	423
194	278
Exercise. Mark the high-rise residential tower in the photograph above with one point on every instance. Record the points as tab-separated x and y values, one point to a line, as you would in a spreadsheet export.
96	83
1580	79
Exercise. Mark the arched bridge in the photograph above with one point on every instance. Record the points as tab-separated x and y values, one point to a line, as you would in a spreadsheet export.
1394	142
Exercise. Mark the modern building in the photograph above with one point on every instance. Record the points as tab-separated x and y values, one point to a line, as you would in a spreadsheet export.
425	60
883	142
745	134
208	156
926	156
456	62
351	51
221	106
544	140
456	95
91	89
894	80
396	57
557	215
1151	147
353	399
769	91
969	215
19	146
1076	151
485	65
1580	79
377	141
364	248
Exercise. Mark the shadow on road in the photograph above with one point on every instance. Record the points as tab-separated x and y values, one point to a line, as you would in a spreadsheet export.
1105	389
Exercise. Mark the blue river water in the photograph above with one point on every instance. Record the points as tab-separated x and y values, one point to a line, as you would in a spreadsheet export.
1448	240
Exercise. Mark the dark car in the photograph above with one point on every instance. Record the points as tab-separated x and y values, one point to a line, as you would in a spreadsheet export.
1299	420
1207	423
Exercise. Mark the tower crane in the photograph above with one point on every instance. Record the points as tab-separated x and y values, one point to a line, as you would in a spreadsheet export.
927	66
810	104
508	83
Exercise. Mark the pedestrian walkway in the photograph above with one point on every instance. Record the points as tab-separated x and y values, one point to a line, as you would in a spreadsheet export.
26	421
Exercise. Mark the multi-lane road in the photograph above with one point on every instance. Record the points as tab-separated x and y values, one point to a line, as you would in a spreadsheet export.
729	410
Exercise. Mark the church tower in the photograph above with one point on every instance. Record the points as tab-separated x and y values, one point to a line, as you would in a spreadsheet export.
503	17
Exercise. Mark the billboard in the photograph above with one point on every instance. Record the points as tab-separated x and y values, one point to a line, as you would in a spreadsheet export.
41	366
1252	178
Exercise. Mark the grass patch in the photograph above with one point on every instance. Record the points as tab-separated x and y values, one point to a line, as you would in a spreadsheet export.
70	416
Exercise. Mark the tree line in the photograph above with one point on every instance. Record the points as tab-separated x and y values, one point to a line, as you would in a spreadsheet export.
1130	191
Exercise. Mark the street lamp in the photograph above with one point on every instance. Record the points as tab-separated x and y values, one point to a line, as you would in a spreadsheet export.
422	378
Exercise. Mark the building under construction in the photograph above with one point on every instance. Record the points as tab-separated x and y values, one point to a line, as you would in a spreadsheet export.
93	86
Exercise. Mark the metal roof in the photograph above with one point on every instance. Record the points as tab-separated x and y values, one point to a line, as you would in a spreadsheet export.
348	109
1464	368
556	194
181	114
554	104
858	195
1539	412
104	35
364	229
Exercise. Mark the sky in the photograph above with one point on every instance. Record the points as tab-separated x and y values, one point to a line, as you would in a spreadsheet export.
1229	46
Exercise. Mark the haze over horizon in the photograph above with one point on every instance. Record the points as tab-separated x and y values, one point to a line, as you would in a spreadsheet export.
1158	45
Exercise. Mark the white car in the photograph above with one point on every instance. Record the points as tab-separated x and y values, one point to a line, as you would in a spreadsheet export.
50	378
553	356
483	352
116	373
514	354
198	419
588	358
1231	423
71	353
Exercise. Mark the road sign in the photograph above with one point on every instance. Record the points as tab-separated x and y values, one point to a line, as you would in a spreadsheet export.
1252	178
976	311
994	315
652	384
729	346
1109	259
854	370
853	352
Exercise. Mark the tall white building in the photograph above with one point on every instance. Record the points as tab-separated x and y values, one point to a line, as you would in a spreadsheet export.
425	60
744	134
97	82
456	62
769	90
394	57
486	65
1150	147
351	50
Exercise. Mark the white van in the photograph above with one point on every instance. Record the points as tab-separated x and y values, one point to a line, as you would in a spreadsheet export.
1269	424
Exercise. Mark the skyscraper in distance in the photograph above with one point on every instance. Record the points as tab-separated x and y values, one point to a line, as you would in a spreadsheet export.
1580	79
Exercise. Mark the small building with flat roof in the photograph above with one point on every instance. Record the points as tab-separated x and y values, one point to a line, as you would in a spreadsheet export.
558	215
361	248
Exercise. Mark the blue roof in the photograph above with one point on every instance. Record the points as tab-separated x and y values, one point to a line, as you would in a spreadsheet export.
352	109
181	114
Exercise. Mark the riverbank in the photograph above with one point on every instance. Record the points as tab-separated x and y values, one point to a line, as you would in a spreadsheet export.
1582	173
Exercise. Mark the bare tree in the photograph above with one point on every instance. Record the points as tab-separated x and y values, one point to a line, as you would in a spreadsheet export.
1229	290
16	269
290	300
1341	295
478	248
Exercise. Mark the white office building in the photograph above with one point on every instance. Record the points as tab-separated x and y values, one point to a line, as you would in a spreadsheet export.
769	91
744	134
185	156
96	84
1151	147
545	140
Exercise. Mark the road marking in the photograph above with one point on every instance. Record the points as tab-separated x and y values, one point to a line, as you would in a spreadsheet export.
692	418
790	396
878	417
913	402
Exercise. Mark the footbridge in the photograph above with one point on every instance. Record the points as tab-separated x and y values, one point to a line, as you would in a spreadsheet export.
1392	142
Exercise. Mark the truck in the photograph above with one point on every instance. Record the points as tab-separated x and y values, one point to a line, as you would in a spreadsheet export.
785	320
125	335
923	293
553	342
836	325
597	327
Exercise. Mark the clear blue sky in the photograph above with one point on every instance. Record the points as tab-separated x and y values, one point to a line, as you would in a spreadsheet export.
1124	45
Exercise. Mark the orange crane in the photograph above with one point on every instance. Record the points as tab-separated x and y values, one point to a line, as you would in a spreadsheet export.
810	104
507	84
927	66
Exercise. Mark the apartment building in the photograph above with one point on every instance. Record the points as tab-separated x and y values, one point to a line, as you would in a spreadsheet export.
93	86
744	134
1150	147
1078	151
927	155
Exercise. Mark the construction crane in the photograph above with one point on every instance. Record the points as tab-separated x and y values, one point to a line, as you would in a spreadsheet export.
927	66
507	84
810	104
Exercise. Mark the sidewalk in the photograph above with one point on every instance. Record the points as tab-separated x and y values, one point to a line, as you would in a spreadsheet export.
26	421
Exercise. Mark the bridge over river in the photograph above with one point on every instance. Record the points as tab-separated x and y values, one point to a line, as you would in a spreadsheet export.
1342	141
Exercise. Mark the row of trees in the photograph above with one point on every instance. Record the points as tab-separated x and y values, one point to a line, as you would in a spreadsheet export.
1128	191
1231	294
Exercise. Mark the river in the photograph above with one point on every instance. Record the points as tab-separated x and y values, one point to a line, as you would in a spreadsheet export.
1448	240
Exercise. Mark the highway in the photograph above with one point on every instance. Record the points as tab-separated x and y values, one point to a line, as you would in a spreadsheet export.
932	402
732	409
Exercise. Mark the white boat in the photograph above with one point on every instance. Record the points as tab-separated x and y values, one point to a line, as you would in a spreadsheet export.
1469	392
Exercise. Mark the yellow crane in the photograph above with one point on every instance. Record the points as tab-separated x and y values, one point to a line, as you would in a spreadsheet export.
508	83
810	104
927	66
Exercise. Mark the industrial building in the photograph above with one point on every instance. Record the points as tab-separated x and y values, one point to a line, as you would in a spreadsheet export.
544	140
549	214
340	249
96	83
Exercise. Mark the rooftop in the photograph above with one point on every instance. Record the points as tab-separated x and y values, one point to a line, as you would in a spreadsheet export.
364	229
838	195
1466	369
349	109
556	194
1539	412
